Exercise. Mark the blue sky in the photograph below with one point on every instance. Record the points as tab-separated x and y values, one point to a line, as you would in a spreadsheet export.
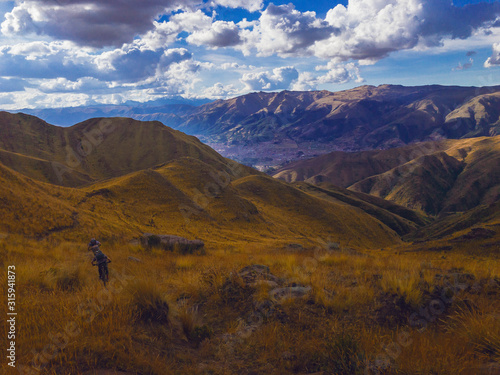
56	53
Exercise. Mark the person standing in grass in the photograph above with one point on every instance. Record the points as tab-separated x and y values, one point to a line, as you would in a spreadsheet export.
100	260
93	245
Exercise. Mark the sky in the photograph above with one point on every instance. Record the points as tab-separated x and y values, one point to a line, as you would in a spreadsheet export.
59	53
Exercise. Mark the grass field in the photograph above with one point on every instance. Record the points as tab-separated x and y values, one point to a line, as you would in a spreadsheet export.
390	311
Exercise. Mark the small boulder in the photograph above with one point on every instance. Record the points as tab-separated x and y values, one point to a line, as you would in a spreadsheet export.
294	247
289	292
170	242
251	274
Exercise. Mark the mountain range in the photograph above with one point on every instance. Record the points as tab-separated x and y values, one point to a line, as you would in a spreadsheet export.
269	129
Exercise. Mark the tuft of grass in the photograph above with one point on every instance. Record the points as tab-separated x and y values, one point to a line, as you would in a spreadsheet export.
69	280
344	355
184	263
481	330
405	284
148	303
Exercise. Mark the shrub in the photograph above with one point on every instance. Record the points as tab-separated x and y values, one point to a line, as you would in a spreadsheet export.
188	248
339	355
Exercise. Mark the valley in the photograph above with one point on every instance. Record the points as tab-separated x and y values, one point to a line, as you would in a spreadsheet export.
369	262
267	129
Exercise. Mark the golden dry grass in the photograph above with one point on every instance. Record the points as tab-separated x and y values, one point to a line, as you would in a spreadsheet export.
373	303
336	329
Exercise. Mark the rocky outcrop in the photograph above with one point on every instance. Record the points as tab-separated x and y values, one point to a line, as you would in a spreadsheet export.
170	242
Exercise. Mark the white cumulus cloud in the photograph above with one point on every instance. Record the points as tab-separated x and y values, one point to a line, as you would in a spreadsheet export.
278	79
250	5
494	59
220	91
283	30
219	34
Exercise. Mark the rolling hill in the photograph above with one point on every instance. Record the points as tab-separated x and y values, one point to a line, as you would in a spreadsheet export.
144	177
434	177
137	177
93	149
168	200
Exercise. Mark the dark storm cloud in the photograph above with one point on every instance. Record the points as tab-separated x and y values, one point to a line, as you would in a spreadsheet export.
88	22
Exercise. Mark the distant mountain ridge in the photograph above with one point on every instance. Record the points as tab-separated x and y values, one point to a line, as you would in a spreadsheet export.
167	113
269	129
366	117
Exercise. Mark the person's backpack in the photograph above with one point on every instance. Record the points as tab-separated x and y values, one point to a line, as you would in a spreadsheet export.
100	257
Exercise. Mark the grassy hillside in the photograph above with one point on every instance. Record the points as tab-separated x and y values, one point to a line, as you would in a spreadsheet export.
185	197
399	218
479	182
421	184
199	314
94	149
32	208
434	177
344	169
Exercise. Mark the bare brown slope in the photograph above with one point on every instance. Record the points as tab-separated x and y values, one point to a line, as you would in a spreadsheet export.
479	183
365	117
94	149
463	177
480	116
